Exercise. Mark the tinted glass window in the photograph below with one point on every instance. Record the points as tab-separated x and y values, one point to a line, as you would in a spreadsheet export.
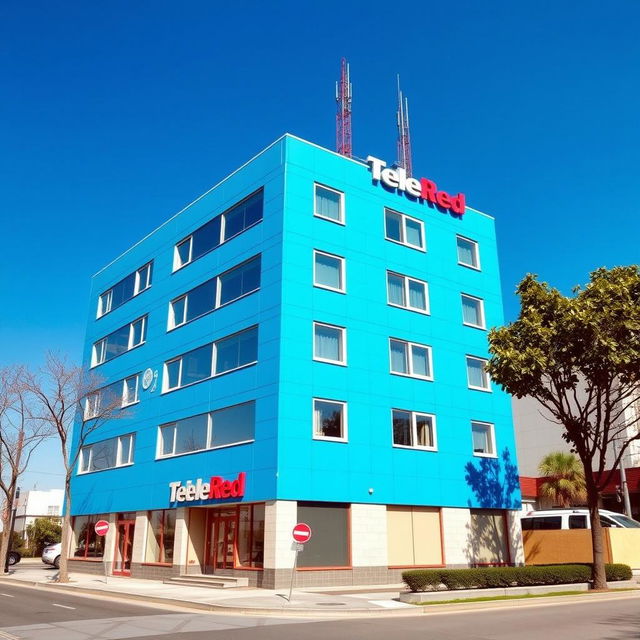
328	419
237	350
234	424
201	300
399	362
402	428
191	434
240	281
103	455
117	342
206	238
393	226
328	546
196	365
577	522
123	291
395	289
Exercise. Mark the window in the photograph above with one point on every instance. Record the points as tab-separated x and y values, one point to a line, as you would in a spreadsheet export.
130	390
86	542
212	294
329	420
406	292
483	439
224	355
329	204
223	227
107	454
329	544
410	359
414	536
160	536
53	510
544	523
328	271
414	430
251	535
123	291
477	376
472	311
105	400
468	252
329	343
220	428
578	522
119	342
403	229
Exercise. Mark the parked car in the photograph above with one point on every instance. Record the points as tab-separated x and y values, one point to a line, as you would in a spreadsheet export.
51	554
14	558
574	519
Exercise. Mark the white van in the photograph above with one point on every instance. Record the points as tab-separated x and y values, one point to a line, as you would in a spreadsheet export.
574	519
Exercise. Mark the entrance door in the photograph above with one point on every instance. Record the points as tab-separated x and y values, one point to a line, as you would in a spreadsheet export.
221	545
124	545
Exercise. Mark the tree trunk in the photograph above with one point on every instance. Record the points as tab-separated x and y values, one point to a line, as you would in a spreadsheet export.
6	527
598	571
63	573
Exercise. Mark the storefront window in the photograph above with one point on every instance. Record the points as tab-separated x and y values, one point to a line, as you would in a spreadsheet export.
251	536
86	543
160	536
329	544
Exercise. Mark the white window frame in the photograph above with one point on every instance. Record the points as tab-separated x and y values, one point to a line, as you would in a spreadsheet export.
105	301
176	254
92	405
405	284
483	324
317	436
486	389
165	374
343	343
414	430
341	220
85	463
403	230
476	253
411	373
491	439
343	271
173	454
136	391
143	332
99	349
171	322
138	288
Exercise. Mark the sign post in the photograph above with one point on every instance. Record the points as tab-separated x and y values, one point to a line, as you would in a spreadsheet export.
301	534
101	528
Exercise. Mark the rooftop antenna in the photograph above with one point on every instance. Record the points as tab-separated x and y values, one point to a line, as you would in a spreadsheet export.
343	114
404	137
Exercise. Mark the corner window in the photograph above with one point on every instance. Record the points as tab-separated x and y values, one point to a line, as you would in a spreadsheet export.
410	359
414	430
472	311
408	293
329	204
468	255
404	230
484	443
329	420
477	376
329	343
107	454
328	271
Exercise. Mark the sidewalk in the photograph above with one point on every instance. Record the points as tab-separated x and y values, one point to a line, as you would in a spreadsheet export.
326	601
318	602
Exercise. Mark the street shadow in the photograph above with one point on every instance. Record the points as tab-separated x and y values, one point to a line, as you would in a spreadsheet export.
496	487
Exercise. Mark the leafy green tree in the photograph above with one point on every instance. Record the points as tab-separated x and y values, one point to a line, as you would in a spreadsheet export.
43	531
564	475
579	356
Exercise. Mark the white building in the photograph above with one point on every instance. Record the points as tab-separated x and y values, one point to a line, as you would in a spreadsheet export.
37	504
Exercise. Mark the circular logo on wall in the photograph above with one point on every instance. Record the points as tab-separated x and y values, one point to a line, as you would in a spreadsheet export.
147	378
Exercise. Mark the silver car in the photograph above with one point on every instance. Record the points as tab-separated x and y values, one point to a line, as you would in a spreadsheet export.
51	554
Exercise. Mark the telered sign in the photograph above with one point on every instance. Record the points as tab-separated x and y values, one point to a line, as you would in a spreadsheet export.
302	532
216	488
422	189
101	527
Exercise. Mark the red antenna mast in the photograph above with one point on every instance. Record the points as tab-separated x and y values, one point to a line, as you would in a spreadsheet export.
343	115
404	137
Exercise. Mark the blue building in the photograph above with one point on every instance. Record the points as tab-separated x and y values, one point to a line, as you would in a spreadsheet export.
305	342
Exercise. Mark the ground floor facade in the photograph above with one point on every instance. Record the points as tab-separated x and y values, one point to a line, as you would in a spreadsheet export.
350	544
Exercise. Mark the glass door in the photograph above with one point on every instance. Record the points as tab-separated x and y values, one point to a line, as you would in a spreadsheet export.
124	546
221	544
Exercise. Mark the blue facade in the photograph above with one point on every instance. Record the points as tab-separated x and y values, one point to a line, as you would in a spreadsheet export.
285	461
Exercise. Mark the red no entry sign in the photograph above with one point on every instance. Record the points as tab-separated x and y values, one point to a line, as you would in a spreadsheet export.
302	532
101	527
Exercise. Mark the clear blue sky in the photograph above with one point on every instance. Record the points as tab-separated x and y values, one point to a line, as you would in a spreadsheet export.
116	115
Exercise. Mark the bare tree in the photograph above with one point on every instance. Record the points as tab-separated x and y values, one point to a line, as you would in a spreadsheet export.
72	403
20	434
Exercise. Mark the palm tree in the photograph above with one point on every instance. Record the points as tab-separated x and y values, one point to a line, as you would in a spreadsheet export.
564	475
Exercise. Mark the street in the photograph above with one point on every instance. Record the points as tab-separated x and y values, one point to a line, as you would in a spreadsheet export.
29	613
